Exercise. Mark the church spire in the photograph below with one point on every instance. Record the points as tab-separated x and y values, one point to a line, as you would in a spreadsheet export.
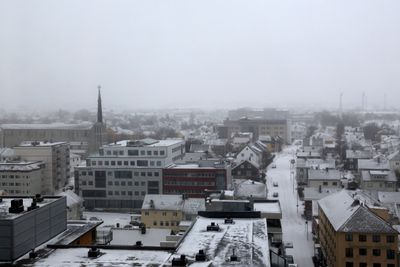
99	108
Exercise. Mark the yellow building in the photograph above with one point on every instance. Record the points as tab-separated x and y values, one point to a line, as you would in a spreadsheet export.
351	235
167	211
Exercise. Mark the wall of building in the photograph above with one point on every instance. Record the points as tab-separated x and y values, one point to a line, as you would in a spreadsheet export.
165	219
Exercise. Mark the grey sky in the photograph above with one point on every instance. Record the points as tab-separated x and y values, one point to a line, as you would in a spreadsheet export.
208	53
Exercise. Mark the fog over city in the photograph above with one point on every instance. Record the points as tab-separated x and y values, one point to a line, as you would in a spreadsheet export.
201	54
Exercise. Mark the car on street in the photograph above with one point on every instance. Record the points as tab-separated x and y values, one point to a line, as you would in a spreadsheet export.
275	184
273	166
275	194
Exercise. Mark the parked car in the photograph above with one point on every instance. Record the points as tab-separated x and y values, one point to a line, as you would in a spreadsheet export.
273	166
275	194
275	184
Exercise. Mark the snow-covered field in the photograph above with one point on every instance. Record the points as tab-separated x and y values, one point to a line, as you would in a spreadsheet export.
293	225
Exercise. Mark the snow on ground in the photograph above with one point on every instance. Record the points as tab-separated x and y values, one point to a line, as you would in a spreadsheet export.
153	237
293	225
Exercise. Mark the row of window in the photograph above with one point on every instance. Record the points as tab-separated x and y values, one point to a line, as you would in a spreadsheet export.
166	223
375	238
188	183
164	213
134	152
27	192
126	193
390	254
139	163
117	183
124	174
14	184
364	264
12	176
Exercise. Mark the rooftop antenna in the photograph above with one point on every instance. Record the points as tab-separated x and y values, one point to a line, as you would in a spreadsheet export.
341	106
363	102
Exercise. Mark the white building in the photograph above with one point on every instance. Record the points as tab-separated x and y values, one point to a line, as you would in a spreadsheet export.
122	173
378	180
324	178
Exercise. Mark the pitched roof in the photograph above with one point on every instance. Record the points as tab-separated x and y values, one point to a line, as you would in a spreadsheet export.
347	215
365	221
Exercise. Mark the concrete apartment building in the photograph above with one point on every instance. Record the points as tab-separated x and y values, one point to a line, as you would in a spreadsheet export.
21	178
89	136
192	179
26	223
122	173
56	159
352	235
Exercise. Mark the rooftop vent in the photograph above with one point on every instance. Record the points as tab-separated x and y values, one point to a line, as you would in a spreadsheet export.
93	252
138	244
33	205
233	256
152	204
228	221
143	229
201	256
181	261
213	227
17	206
33	254
39	198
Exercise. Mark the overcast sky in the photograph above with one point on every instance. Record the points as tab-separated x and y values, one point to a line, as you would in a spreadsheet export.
203	53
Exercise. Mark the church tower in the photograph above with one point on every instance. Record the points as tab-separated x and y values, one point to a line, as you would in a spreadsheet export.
99	133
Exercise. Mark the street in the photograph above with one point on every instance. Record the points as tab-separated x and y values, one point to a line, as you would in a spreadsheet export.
293	225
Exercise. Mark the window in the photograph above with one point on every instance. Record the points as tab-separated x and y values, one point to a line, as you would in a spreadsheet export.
110	183
123	183
363	264
83	183
132	163
362	238
362	251
376	252
149	174
142	152
151	163
325	183
142	163
110	193
143	174
166	223
143	193
148	152
133	152
161	223
158	163
390	265
121	152
376	238
129	193
123	193
90	182
136	183
112	163
349	264
156	174
155	153
116	183
119	162
376	265
146	213
155	223
143	183
116	193
126	163
115	153
136	193
123	174
164	213
129	183
334	183
106	162
390	254
162	153
390	239
349	237
349	252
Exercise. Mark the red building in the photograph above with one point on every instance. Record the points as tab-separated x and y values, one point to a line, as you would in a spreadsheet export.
193	179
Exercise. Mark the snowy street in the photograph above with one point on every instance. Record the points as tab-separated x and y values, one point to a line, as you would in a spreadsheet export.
293	225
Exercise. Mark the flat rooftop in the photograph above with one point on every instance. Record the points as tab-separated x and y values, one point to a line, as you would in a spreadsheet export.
268	207
6	203
39	144
248	237
21	166
128	237
109	257
145	143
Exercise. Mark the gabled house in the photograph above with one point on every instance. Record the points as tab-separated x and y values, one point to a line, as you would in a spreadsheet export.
246	170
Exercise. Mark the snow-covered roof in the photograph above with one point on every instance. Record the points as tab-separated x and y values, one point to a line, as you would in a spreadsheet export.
395	156
162	202
348	214
72	198
22	166
384	176
373	164
358	154
268	207
128	237
252	188
39	144
389	197
247	237
76	257
328	174
313	193
5	204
